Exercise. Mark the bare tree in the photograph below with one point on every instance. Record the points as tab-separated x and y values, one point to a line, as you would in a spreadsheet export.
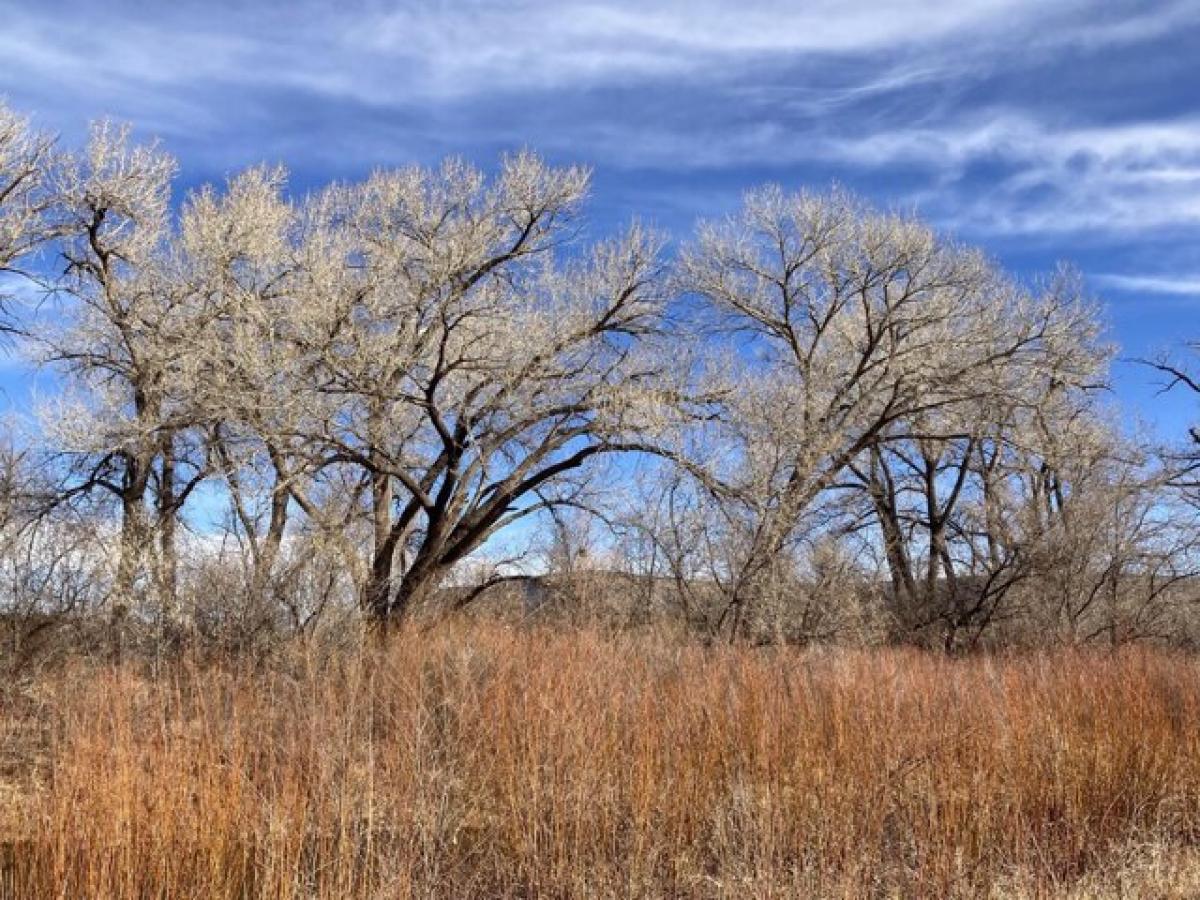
249	256
457	361
124	341
1113	554
376	380
962	497
846	323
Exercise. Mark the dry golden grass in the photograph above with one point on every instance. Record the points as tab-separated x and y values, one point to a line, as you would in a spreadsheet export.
482	761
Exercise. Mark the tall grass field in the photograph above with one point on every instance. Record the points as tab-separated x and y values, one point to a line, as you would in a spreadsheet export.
481	760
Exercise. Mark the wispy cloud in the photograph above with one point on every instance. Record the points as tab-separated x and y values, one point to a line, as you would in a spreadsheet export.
1047	178
953	103
387	54
1186	285
383	53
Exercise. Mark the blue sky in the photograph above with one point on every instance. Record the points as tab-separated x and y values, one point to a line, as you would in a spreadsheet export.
1043	131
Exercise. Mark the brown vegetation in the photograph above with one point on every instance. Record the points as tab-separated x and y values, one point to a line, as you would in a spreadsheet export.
484	760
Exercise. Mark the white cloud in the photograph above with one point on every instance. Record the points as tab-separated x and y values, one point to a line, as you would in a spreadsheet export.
1111	178
388	53
185	69
473	46
1187	285
1042	177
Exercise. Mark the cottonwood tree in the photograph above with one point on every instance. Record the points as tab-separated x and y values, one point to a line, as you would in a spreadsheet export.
460	360
250	256
1116	558
1112	552
942	485
386	374
124	341
847	322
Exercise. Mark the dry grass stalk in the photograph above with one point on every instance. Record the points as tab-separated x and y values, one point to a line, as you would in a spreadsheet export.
479	760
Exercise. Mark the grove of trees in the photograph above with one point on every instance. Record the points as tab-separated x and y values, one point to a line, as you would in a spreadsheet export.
270	415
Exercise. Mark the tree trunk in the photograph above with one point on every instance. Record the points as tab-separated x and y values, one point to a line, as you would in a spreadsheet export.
132	544
133	531
376	598
415	587
168	561
268	553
